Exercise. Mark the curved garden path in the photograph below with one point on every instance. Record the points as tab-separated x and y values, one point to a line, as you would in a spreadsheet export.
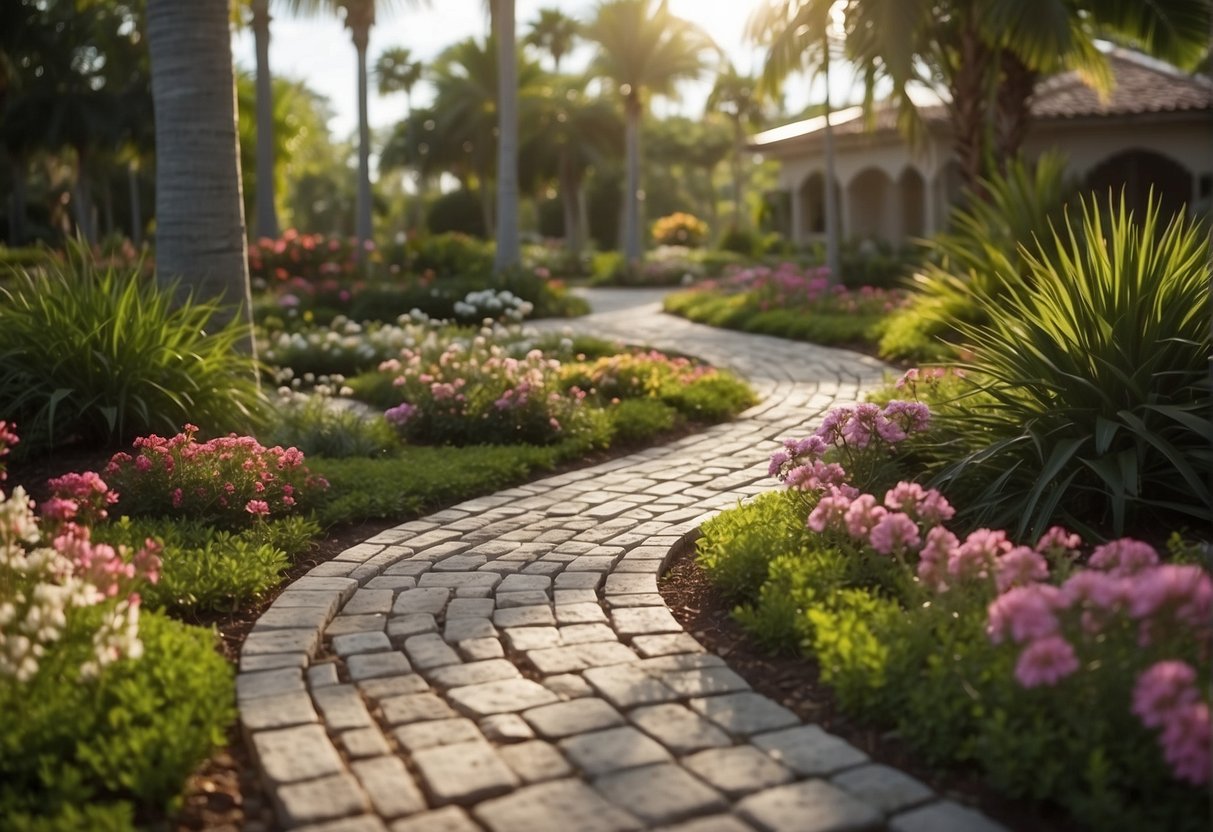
508	664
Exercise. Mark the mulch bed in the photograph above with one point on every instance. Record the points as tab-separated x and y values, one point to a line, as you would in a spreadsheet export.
794	682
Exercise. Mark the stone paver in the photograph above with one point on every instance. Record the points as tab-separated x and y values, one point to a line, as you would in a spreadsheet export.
509	665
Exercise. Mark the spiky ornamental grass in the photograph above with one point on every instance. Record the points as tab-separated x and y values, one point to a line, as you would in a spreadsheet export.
1098	386
99	356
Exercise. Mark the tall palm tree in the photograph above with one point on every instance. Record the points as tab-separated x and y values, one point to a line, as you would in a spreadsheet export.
397	71
643	50
200	236
736	96
554	32
359	17
508	248
266	210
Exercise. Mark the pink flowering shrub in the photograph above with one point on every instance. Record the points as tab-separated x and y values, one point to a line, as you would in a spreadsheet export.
979	648
478	394
230	481
57	585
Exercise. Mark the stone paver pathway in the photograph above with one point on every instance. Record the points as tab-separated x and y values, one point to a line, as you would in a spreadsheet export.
508	664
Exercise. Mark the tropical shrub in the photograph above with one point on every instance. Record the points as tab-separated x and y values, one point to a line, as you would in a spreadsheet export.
451	255
1095	383
100	356
230	482
741	240
976	649
680	229
306	258
980	257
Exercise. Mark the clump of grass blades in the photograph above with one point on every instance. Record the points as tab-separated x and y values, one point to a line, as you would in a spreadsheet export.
100	356
1098	382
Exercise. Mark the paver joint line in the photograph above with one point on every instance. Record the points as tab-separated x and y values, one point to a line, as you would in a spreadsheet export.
510	659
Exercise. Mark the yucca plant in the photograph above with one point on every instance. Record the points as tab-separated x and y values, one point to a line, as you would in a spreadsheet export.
100	356
979	258
1097	377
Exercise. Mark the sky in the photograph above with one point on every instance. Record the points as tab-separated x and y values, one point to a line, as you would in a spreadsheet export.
319	51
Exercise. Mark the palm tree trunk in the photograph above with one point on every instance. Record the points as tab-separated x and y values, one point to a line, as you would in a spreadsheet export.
132	180
507	139
200	237
739	214
86	223
17	203
631	198
967	104
570	203
1013	104
361	31
833	262
266	209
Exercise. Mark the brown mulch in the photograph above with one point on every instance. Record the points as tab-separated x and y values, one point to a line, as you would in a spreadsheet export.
794	682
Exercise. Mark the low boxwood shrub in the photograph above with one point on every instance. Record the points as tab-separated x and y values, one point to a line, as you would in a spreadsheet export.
99	751
636	420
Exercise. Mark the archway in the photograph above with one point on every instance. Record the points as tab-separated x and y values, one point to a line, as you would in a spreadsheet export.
868	206
912	189
1137	171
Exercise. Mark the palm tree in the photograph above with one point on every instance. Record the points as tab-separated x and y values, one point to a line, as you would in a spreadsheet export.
266	206
200	235
643	50
508	250
796	38
359	16
555	33
397	71
736	96
972	48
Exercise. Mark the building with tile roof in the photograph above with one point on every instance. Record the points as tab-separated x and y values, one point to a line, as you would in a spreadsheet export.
1154	129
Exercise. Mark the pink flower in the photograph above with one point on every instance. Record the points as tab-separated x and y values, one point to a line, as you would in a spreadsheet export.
1045	661
830	512
976	555
1019	566
933	560
257	508
904	496
400	414
862	515
927	506
1186	743
1124	557
1057	541
816	476
1162	688
1025	613
895	532
1184	591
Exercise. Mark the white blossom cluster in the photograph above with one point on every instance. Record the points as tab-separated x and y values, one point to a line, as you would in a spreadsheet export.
39	593
489	303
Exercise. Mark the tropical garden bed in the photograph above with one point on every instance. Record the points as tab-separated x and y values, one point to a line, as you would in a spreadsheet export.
987	546
371	422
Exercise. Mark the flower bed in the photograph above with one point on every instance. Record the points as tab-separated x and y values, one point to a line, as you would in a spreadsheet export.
789	301
976	647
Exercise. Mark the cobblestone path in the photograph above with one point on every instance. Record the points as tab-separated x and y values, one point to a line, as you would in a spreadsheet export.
508	664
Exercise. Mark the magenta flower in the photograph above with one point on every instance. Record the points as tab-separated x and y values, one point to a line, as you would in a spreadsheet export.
862	515
975	557
1046	661
1019	567
1025	613
1162	688
1124	557
1186	743
894	533
830	512
933	560
1058	541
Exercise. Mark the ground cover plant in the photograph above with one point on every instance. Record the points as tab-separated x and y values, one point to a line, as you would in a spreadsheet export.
789	301
977	645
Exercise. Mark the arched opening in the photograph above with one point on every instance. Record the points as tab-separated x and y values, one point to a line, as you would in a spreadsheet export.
868	206
812	204
1137	171
913	203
